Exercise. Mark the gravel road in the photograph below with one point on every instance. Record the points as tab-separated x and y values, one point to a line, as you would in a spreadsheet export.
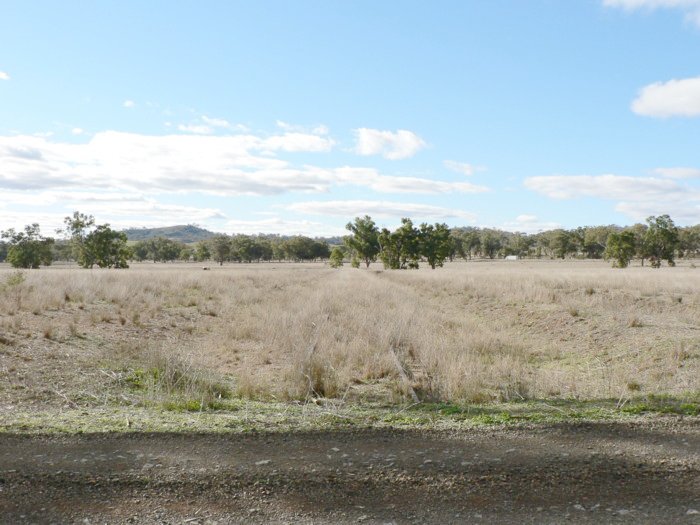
642	472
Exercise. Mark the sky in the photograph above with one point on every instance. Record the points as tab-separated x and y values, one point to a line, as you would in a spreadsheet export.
295	117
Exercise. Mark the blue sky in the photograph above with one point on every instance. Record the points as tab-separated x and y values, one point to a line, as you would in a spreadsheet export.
295	117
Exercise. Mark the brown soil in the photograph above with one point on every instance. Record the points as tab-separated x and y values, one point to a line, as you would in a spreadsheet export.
642	472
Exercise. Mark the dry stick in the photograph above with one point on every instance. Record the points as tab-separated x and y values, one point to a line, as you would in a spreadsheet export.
403	375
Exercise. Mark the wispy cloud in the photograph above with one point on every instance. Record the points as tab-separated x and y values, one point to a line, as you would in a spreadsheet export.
675	98
637	197
679	173
690	8
4	76
119	209
401	144
128	104
353	208
605	186
224	165
283	226
216	122
462	167
371	178
198	129
529	224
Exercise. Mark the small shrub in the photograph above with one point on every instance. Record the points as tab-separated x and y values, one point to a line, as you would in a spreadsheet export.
633	386
168	378
635	322
48	332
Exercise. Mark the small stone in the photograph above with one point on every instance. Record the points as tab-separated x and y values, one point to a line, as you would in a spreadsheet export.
578	506
262	462
692	511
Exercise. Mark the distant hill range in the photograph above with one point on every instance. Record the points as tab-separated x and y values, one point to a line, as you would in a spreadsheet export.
188	233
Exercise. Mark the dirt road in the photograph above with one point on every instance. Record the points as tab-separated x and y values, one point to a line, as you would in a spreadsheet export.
644	472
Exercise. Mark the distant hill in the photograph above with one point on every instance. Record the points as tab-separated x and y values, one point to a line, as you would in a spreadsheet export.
184	233
190	233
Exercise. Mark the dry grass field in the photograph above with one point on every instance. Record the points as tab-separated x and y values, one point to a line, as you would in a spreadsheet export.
473	332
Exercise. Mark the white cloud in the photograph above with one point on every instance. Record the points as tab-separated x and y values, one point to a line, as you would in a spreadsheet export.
683	212
77	131
113	207
461	167
690	8
198	129
529	224
371	178
637	197
679	173
675	98
319	129
293	141
612	187
283	227
128	104
224	165
171	163
4	76
354	208
216	122
401	144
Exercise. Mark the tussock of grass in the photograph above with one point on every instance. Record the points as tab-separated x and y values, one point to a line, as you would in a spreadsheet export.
175	382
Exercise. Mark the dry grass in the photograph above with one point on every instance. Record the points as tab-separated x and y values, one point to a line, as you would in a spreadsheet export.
469	332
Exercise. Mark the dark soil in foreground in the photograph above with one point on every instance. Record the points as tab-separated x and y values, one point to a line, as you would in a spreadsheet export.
642	472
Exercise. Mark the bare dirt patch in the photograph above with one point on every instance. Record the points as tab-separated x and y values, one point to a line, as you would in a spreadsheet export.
586	473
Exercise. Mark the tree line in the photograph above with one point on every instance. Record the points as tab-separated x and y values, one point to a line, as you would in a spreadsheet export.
657	240
90	244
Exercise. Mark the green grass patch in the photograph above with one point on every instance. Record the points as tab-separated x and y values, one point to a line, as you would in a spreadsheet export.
194	414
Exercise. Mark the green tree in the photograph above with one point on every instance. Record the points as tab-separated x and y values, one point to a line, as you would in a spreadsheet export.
336	258
563	243
490	243
400	249
639	231
689	241
620	247
364	239
519	244
107	248
28	248
186	252
595	240
435	243
661	240
96	245
221	248
201	252
141	250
